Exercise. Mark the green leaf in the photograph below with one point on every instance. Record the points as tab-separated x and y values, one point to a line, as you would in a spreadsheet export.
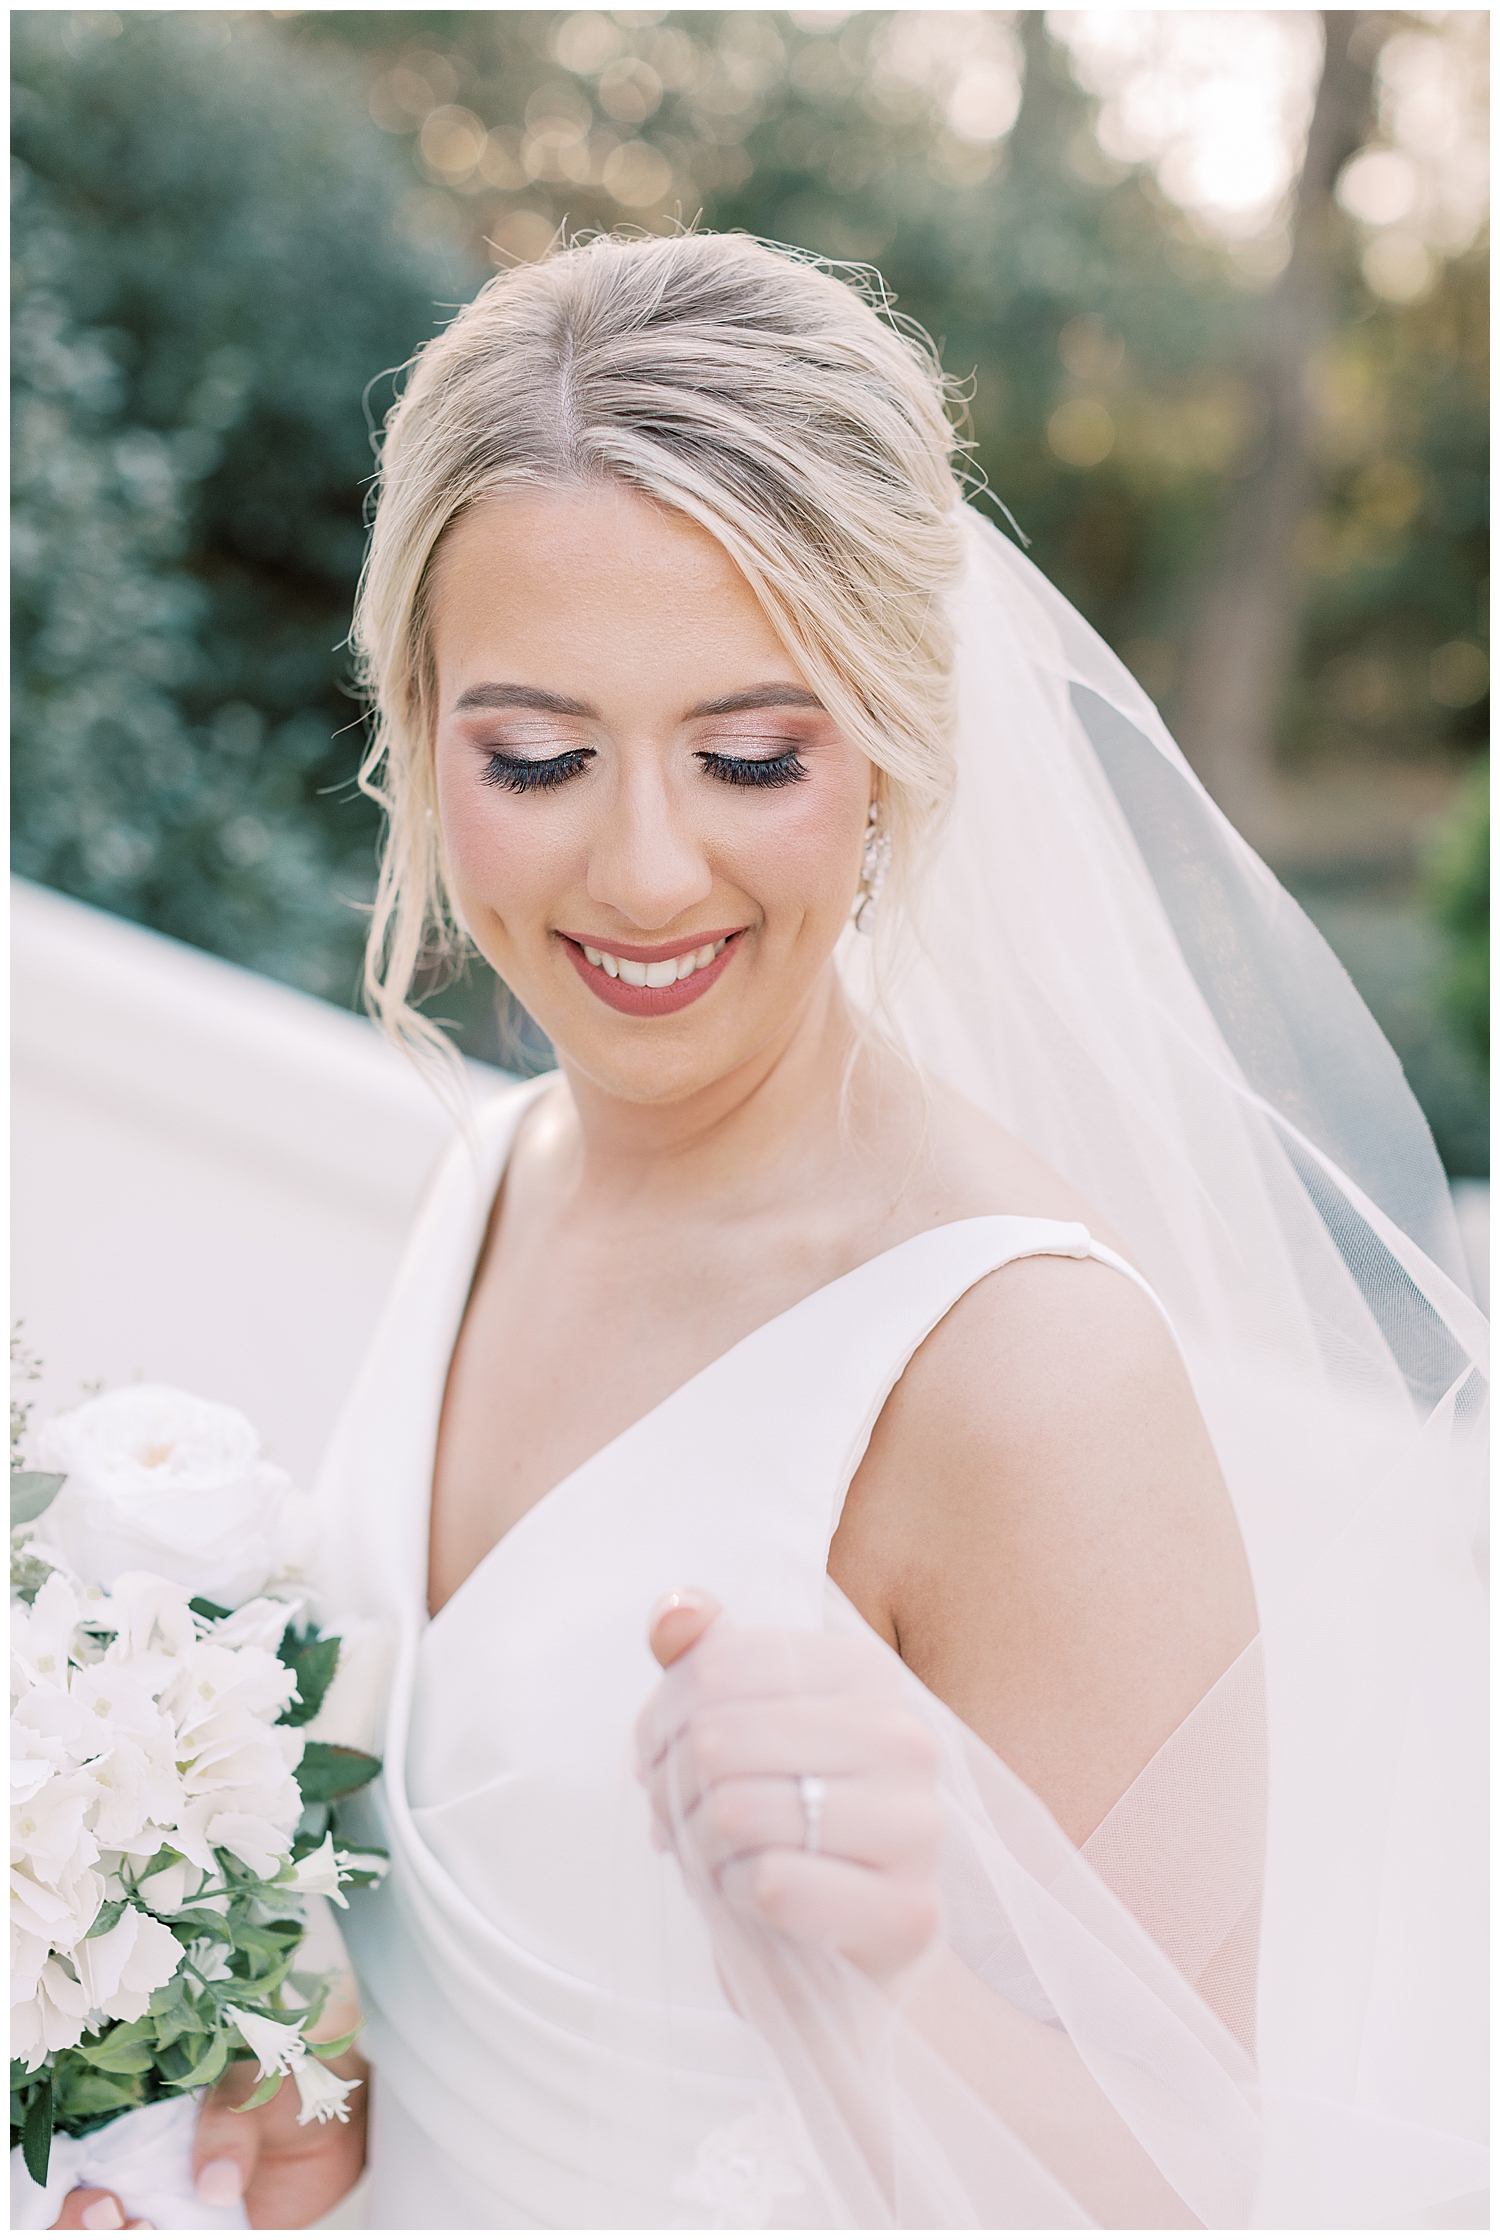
262	1942
266	2090
329	1769
121	2061
31	1492
206	1609
203	1923
329	2049
129	2050
36	2133
108	1914
314	1662
210	2067
87	2095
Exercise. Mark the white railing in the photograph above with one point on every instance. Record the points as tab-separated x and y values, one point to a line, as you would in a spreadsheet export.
212	1174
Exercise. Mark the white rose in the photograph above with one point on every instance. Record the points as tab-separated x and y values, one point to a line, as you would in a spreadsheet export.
160	1481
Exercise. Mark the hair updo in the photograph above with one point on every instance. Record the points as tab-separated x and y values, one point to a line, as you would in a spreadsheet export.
754	390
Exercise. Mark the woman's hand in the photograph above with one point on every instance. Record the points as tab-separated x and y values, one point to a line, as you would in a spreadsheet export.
287	2174
724	1745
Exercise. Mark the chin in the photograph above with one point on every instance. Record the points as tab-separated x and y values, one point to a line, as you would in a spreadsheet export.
653	1067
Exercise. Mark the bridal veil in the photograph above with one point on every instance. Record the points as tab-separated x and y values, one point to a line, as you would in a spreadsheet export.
1256	1995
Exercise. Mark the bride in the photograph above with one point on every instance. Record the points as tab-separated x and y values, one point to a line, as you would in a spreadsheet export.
922	1485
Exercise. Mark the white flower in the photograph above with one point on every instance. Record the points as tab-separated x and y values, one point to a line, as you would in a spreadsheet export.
41	1638
170	1888
323	2094
151	1620
277	2046
159	1480
317	1876
743	2169
49	1838
55	2016
120	1969
62	1912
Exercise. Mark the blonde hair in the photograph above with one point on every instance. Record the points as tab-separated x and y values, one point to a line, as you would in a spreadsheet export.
768	396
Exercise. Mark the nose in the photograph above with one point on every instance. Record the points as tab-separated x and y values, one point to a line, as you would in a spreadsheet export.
645	862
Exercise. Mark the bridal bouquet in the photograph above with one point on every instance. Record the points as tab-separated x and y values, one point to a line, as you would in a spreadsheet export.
178	1749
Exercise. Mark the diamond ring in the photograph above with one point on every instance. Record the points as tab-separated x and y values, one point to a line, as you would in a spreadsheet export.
812	1789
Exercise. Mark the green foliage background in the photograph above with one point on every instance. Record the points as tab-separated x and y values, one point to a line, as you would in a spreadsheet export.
228	224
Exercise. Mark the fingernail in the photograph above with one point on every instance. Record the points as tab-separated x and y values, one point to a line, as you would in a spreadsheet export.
221	2183
140	2224
681	1598
102	2216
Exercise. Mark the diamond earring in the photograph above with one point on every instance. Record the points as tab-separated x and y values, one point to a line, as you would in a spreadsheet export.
876	863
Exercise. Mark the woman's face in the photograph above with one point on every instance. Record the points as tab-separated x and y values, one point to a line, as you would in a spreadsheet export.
653	829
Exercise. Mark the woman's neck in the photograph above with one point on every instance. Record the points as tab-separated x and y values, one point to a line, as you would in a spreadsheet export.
736	1143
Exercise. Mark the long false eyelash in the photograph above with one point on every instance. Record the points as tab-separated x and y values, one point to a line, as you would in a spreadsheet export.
517	775
742	770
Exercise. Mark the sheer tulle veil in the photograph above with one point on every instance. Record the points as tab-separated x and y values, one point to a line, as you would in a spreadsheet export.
1260	1985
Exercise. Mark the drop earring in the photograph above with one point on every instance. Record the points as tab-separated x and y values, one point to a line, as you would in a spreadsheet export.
876	863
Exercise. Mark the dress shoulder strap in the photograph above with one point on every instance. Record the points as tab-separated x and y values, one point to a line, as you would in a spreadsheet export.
803	1393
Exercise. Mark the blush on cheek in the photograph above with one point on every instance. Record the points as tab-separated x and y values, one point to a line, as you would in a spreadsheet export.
501	865
804	858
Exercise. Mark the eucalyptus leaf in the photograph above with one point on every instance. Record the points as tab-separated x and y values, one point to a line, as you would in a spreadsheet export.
32	1492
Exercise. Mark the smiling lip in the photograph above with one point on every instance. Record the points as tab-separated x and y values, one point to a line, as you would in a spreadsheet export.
651	1003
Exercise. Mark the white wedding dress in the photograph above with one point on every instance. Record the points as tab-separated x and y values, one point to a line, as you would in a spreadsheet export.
551	2041
1261	1981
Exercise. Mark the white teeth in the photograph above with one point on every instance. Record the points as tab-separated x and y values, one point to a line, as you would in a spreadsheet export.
663	974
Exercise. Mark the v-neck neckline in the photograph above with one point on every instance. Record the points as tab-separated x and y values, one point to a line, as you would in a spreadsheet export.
547	1500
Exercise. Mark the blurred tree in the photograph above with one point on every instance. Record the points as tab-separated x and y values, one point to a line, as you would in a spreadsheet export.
1457	882
295	191
208	268
1243	637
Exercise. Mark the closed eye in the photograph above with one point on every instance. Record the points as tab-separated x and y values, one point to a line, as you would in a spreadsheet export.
754	770
519	774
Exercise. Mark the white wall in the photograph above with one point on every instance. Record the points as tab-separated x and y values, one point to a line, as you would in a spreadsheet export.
212	1175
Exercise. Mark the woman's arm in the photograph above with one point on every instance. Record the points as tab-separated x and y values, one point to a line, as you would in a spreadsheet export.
1041	1530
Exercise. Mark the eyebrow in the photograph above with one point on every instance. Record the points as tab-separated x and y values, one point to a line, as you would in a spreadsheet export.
522	696
559	704
758	696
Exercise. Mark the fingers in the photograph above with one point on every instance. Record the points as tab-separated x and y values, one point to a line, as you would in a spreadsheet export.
869	1823
226	2146
880	1921
735	1663
91	2209
828	1735
680	1621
